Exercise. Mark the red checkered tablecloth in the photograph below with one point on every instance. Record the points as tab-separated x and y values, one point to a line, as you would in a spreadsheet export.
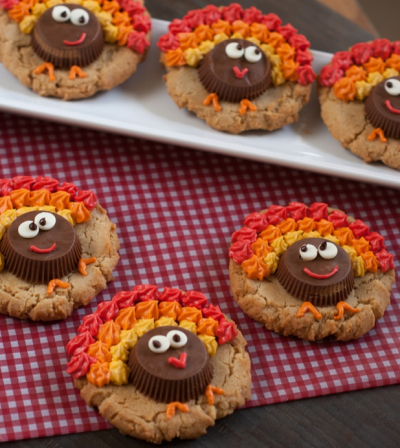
175	210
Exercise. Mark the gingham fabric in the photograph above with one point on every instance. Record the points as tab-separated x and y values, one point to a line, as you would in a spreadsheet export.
176	210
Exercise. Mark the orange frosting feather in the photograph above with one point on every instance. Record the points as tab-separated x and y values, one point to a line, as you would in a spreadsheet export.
270	233
207	326
222	26
170	309
147	310
59	200
100	351
191	314
371	263
109	333
324	227
79	212
204	32
175	58
255	268
345	89
394	62
306	225
344	235
356	73
20	198
275	39
243	28
285	51
361	246
375	65
288	225
39	198
99	374
187	40
259	31
261	248
126	318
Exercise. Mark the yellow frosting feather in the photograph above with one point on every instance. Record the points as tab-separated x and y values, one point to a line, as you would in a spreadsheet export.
119	373
190	326
119	352
210	343
128	338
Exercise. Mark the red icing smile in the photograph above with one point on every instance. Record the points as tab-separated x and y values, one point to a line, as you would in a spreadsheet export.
78	42
391	108
240	73
321	276
178	363
43	251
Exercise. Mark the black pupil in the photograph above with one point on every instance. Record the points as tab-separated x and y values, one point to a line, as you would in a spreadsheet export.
156	344
81	19
64	14
239	47
176	338
256	51
42	222
389	84
32	226
304	248
323	246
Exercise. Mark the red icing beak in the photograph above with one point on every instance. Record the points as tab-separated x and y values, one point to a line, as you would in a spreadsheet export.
321	276
391	108
240	74
78	42
43	251
178	363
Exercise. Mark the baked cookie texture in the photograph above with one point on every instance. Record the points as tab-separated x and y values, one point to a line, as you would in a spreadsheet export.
237	69
115	65
23	300
270	305
353	93
264	299
347	122
276	107
139	416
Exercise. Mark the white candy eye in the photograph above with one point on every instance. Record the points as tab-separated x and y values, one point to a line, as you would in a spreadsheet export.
28	229
392	87
45	221
159	344
234	50
327	250
252	54
61	13
80	17
177	338
308	252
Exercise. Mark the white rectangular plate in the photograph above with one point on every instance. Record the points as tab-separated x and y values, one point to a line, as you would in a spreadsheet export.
142	108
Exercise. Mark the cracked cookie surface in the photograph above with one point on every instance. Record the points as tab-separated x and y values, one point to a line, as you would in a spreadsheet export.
27	301
269	304
114	66
276	107
138	416
347	122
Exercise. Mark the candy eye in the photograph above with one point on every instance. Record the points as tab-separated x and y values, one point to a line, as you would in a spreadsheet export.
252	54
327	250
45	221
61	13
308	252
234	50
177	338
80	17
28	229
159	344
392	87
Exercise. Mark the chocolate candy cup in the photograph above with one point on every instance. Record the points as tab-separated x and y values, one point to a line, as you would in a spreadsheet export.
35	267
217	74
49	37
320	292
378	113
153	376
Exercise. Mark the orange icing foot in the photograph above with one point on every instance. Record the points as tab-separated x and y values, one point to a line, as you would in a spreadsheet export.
308	306
54	283
378	132
46	66
246	104
341	306
172	407
210	391
83	262
76	71
212	97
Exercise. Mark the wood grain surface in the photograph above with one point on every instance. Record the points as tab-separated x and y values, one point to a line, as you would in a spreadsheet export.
369	418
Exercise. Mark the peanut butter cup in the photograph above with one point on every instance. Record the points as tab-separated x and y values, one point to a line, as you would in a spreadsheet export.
317	271
235	69
67	35
170	364
41	246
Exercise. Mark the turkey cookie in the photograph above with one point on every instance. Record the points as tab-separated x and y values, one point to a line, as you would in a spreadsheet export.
72	49
58	248
360	100
160	365
310	272
236	68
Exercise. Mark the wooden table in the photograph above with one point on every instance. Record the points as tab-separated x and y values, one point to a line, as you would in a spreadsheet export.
360	419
